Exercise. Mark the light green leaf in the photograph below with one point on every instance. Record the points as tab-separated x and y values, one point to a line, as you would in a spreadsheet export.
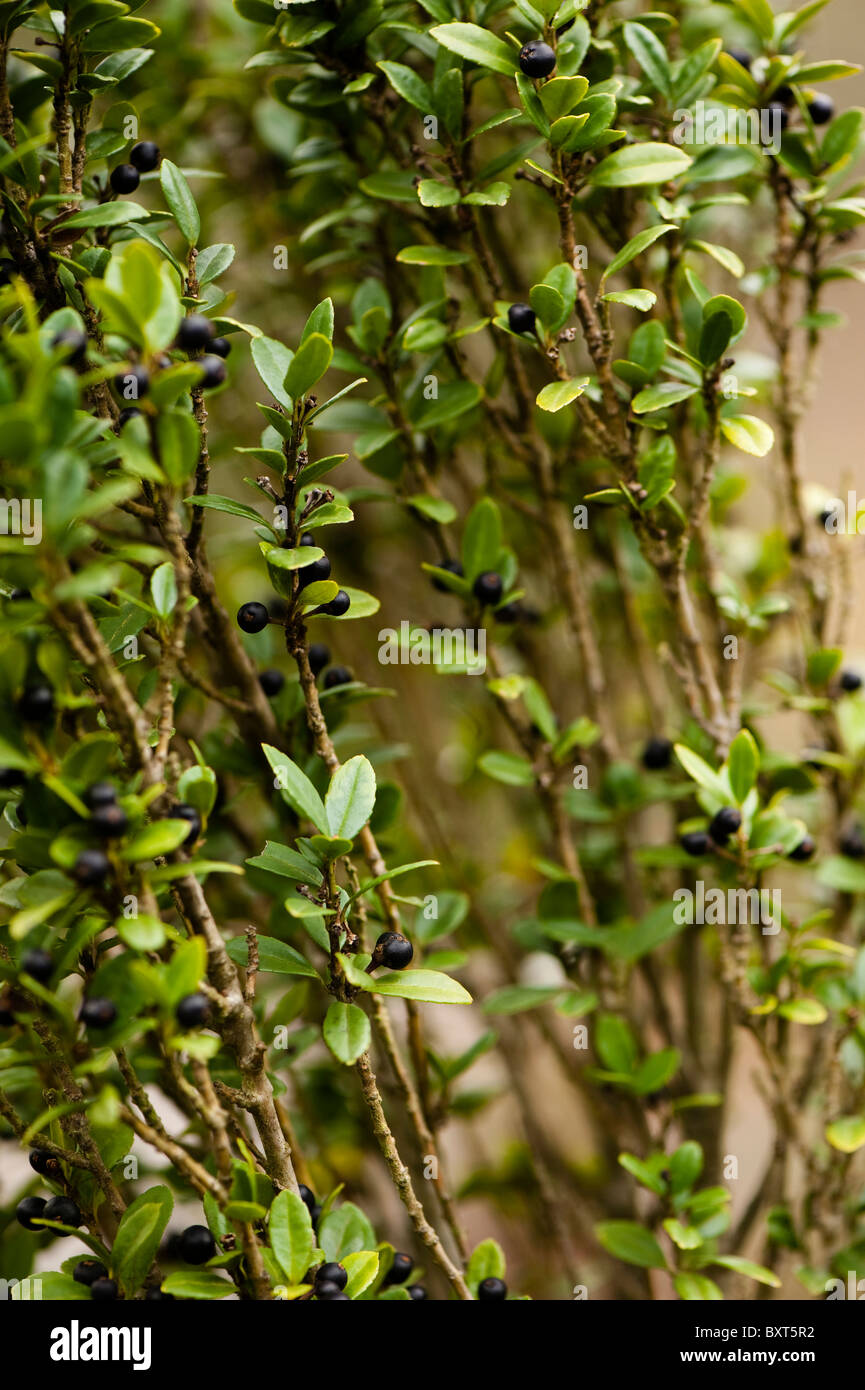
427	986
292	1238
309	365
178	196
296	788
748	433
346	1032
640	164
558	394
632	1243
477	45
350	797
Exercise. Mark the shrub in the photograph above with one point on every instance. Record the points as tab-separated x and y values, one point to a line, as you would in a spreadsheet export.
521	250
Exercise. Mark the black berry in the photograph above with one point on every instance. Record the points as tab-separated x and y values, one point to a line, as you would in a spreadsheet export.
521	318
391	949
252	617
326	1289
88	1271
91	867
724	823
194	333
155	1295
19	595
333	1274
850	681
104	1290
29	1208
307	538
338	1298
193	1011
803	851
271	682
418	1293
537	59
492	1290
109	822
36	704
657	754
783	113
821	108
63	1210
98	1013
696	843
133	383
400	1269
11	777
221	347
784	95
44	1163
452	567
188	813
196	1245
509	613
38	964
213	372
144	156
337	675
337	606
852	843
319	656
313	573
487	588
74	345
307	1196
99	794
125	178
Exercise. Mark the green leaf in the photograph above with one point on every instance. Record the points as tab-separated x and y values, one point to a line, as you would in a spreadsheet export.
432	255
410	86
514	999
350	797
615	1043
296	788
808	1011
346	1032
152	841
700	770
482	539
272	361
635	247
640	164
660	397
279	859
273	955
686	1165
345	1231
743	764
434	194
438	508
361	1266
748	1268
715	338
694	1288
197	1283
632	1243
427	986
511	768
558	394
847	1134
487	1261
226	504
477	45
178	196
650	54
635	299
138	1237
292	1238
106	215
163	587
749	434
309	364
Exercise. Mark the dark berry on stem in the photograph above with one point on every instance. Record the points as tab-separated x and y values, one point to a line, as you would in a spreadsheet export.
696	843
784	95
133	383
307	538
314	573
338	1298
98	1013
333	1273
88	1271
452	567
29	1208
213	372
326	1289
337	606
36	704
307	1196
400	1269
252	617
271	681
221	347
155	1295
44	1163
104	1290
657	754
91	867
193	1011
99	794
194	333
521	318
509	613
144	156
109	822
39	964
783	113
319	656
417	1293
125	178
392	950
337	675
188	813
492	1290
196	1245
19	595
852	843
11	777
64	1210
487	588
850	681
724	823
537	59
803	851
821	108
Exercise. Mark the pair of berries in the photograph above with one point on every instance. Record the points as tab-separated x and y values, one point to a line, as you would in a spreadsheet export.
722	825
60	1209
392	950
329	1283
107	819
315	572
143	157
